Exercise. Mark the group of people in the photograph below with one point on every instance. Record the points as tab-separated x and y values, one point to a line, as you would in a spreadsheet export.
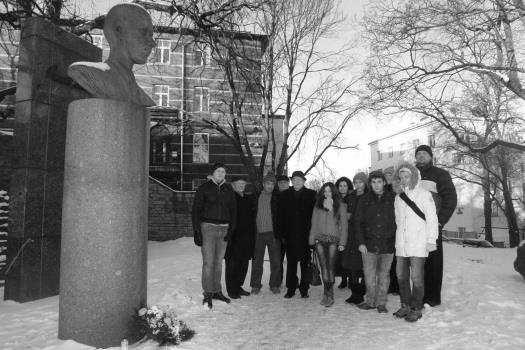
358	229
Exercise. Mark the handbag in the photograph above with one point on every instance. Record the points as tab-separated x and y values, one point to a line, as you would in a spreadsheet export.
316	275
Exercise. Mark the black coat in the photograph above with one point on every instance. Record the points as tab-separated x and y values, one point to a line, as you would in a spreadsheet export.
295	219
351	258
446	197
375	222
214	204
242	241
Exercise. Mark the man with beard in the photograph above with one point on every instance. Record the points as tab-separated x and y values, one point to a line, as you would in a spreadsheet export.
439	183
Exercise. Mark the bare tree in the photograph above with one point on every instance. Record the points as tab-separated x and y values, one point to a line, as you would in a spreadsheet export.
485	113
296	77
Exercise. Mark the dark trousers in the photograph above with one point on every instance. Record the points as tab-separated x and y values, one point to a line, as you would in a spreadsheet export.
394	285
356	282
292	282
434	274
411	268
327	253
266	239
235	274
281	266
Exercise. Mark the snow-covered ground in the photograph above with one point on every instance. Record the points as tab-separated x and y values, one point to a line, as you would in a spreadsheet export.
484	308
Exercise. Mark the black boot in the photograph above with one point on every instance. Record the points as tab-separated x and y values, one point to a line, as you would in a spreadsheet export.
290	293
330	290
207	300
221	297
243	293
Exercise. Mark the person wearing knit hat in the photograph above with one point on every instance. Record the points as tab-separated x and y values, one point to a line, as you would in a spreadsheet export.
351	257
269	178
439	182
267	235
214	216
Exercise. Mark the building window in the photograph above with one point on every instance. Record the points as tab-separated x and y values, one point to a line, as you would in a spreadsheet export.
201	57
202	99
415	143
379	155
431	140
162	51
161	94
390	152
98	40
201	148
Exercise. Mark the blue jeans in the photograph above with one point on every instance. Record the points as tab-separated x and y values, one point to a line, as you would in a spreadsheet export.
327	254
213	249
411	268
377	277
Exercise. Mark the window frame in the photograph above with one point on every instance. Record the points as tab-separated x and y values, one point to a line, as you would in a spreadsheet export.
158	95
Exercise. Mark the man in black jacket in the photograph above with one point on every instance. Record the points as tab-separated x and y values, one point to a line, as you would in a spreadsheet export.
214	215
283	183
295	215
375	226
439	183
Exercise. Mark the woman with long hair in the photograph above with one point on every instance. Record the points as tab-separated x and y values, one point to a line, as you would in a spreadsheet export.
344	186
328	234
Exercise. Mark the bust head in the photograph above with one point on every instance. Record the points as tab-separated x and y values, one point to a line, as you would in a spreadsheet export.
129	31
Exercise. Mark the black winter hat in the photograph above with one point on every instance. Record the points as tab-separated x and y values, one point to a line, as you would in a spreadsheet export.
425	148
217	166
298	173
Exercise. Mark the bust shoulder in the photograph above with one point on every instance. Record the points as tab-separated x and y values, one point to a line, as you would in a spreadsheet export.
102	80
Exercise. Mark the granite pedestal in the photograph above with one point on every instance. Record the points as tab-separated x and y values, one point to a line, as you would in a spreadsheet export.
104	221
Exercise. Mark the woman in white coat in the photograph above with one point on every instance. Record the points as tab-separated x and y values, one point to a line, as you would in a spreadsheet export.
416	234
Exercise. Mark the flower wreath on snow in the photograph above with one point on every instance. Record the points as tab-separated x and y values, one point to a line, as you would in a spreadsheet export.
162	326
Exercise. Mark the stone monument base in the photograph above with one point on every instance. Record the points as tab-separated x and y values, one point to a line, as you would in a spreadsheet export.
104	221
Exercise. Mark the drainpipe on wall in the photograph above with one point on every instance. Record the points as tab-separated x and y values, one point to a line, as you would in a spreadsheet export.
181	116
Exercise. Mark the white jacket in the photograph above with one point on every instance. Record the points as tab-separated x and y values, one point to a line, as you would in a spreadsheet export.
413	233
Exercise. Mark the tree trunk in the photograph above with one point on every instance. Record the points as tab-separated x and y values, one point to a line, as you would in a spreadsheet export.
510	213
487	208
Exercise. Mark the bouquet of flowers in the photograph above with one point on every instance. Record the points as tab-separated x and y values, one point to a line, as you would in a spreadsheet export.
162	325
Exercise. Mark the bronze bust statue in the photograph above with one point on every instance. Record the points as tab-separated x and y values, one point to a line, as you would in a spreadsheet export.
129	31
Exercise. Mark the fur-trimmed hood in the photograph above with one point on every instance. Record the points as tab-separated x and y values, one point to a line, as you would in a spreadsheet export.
415	179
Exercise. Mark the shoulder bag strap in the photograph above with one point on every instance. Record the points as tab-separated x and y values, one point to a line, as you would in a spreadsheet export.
412	205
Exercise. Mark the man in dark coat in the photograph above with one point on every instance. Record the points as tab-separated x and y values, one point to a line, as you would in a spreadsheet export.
295	215
214	216
519	263
242	241
439	183
375	226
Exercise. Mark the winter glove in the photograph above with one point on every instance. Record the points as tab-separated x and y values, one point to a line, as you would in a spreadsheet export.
341	248
362	249
197	238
